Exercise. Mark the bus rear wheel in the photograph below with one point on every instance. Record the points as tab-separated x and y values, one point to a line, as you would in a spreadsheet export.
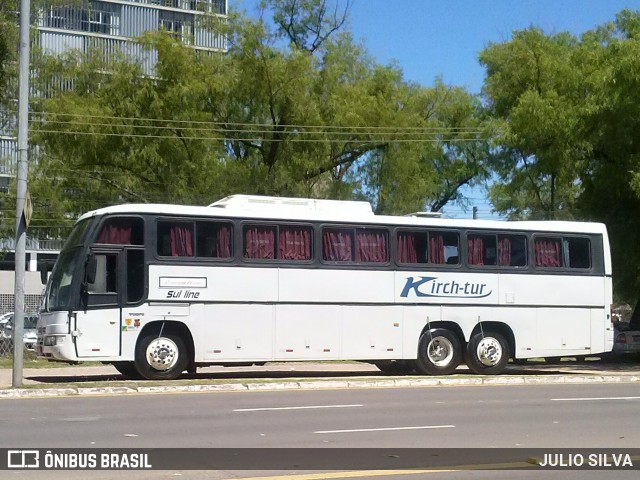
439	352
161	357
487	354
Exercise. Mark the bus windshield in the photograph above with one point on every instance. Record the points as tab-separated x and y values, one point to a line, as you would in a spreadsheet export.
58	289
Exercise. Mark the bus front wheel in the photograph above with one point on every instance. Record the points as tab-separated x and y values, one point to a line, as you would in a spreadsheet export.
487	354
439	352
161	357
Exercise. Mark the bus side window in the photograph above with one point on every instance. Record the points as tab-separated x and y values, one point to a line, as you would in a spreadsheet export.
106	274
294	242
411	247
337	244
260	242
578	252
481	250
548	252
122	231
512	250
371	246
175	239
450	246
213	239
435	247
135	275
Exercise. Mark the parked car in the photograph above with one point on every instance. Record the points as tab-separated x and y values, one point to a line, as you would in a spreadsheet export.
29	333
626	339
5	319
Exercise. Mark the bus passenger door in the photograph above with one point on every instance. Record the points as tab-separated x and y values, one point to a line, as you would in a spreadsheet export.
97	325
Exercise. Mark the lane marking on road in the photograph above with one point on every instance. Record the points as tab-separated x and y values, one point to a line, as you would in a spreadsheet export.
355	474
386	429
306	407
384	473
587	399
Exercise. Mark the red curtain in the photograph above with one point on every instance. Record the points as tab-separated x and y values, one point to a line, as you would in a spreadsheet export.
548	252
407	248
223	242
336	245
295	243
371	246
181	240
259	242
436	248
475	246
116	232
504	251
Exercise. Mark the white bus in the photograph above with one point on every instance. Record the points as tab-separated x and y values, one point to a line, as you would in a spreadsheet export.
157	290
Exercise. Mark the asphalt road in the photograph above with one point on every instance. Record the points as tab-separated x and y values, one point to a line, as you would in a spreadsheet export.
599	415
544	416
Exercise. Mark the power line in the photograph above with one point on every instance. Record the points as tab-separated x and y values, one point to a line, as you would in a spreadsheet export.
254	139
254	124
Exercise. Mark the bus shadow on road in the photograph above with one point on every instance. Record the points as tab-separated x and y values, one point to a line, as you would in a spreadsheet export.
213	377
567	367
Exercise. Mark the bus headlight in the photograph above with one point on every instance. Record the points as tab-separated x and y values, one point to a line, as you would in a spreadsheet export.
53	340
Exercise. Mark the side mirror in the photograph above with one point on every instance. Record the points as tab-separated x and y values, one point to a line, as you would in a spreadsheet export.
91	269
43	268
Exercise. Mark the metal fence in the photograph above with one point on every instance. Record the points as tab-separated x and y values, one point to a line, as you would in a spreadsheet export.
31	304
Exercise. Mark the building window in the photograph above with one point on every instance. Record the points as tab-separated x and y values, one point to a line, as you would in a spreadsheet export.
96	18
101	21
178	25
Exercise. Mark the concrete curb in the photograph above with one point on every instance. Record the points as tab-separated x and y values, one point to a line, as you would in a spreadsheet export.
401	382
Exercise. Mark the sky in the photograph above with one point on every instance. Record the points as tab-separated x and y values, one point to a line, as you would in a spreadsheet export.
428	39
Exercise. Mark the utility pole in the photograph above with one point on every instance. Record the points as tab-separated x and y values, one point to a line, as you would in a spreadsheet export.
21	191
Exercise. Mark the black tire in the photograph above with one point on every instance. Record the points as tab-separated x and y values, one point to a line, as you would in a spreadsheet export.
553	360
487	354
128	369
161	358
395	367
439	352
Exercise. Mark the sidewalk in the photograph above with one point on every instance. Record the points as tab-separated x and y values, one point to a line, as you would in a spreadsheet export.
104	379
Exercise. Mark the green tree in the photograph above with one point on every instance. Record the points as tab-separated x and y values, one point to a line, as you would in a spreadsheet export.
295	107
532	89
568	110
609	180
8	60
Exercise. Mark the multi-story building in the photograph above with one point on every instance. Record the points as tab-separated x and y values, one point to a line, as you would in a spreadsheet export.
109	27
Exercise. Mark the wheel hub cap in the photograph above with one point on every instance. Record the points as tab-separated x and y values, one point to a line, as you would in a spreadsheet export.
162	354
440	351
489	351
